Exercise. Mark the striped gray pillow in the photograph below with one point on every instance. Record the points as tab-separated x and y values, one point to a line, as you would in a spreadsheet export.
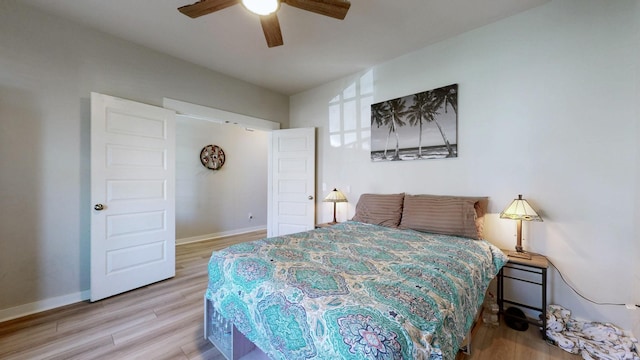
449	215
380	209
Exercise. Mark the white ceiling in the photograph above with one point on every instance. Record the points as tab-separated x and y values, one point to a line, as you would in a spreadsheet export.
316	50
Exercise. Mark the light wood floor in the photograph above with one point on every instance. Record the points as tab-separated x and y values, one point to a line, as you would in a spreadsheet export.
504	343
165	321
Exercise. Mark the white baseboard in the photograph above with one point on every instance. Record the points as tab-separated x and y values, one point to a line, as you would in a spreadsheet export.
219	235
52	303
43	305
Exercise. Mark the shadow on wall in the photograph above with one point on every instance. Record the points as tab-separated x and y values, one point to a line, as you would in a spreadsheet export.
85	194
21	221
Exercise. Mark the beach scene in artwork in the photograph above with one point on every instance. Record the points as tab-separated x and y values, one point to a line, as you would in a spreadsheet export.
416	127
430	152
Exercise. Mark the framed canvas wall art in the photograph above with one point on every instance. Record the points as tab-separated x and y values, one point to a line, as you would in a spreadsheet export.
416	127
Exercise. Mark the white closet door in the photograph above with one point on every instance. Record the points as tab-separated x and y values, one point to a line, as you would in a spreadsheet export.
292	185
132	195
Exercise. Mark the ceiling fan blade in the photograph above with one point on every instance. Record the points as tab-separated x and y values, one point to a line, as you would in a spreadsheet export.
204	7
333	8
271	29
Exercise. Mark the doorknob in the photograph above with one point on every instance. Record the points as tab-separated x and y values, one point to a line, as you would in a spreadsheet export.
98	207
310	197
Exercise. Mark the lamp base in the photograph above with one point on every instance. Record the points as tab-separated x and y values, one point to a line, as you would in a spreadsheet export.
519	254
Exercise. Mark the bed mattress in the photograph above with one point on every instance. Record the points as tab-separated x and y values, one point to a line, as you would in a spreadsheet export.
354	290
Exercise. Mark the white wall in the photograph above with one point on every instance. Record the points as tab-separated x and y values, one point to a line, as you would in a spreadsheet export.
48	67
217	203
547	108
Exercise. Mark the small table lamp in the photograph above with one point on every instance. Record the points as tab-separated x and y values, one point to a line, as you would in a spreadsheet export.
519	210
335	196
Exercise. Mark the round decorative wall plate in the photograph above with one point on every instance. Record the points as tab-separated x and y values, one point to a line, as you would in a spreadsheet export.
212	157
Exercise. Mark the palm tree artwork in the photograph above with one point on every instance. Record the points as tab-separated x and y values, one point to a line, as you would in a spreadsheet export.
390	114
424	125
444	97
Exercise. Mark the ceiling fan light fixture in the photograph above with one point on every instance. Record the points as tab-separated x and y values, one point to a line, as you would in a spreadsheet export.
261	7
266	10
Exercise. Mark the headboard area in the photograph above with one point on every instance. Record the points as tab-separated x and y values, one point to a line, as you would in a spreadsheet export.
440	214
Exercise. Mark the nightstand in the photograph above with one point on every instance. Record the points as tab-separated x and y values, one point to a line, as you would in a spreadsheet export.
531	271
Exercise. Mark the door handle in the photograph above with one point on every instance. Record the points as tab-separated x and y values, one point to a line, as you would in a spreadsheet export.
98	207
310	197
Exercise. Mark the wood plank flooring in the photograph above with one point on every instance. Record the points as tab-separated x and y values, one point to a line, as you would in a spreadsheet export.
504	343
165	321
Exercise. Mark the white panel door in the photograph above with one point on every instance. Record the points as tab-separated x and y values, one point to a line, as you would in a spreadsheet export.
292	185
132	195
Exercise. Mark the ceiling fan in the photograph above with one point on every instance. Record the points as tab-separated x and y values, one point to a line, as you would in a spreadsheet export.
267	10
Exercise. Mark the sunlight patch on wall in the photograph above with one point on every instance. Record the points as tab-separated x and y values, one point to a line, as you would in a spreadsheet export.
350	114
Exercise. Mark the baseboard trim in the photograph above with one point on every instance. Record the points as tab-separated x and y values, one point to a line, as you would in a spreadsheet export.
43	305
55	302
218	235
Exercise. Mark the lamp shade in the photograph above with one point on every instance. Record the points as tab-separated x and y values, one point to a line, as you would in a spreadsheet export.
519	209
335	196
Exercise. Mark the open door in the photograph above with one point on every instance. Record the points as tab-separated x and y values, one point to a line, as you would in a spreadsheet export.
132	194
292	181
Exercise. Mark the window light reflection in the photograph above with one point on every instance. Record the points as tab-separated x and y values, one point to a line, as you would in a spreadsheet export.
350	114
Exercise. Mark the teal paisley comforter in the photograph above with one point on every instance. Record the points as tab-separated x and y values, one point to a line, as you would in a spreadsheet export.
354	291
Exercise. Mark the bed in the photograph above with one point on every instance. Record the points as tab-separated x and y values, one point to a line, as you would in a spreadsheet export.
378	287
